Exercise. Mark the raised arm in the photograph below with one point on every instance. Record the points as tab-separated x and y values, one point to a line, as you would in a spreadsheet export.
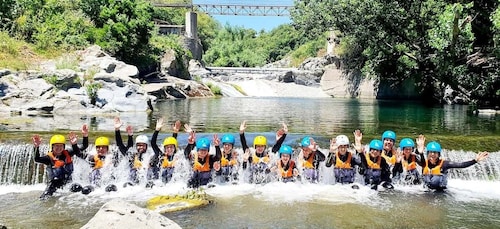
85	134
280	137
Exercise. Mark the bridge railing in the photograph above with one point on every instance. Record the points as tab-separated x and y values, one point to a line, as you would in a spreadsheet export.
233	9
249	70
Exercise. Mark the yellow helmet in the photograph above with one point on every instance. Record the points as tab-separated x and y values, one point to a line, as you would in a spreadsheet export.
102	141
170	141
57	139
260	141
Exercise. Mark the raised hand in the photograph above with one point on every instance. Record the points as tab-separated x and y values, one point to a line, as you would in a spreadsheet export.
333	145
85	130
188	128
191	137
285	127
216	140
358	136
420	143
279	134
312	145
243	126
159	124
118	123
399	155
481	156
36	140
177	126
246	155
73	138
130	130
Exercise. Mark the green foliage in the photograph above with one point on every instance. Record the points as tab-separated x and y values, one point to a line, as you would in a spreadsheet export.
67	62
161	43
52	79
428	40
214	89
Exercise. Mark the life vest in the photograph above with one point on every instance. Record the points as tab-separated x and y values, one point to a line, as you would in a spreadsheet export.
434	171
345	164
167	163
286	173
98	163
391	160
198	167
309	162
371	164
410	166
57	163
137	163
257	160
224	162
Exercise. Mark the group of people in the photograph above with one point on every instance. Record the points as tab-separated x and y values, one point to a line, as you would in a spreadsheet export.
380	163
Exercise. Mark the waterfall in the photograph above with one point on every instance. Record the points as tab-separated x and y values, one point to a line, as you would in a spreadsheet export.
18	166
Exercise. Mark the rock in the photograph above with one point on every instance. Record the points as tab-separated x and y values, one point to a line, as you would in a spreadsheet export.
119	214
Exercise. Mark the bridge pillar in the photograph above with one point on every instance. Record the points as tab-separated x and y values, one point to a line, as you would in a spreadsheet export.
191	25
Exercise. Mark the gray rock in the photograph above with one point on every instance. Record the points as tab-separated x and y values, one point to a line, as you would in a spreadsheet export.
119	214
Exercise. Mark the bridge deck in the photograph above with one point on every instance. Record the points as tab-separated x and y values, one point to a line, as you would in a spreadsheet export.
249	70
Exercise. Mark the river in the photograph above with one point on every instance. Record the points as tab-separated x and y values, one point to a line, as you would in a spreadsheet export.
471	201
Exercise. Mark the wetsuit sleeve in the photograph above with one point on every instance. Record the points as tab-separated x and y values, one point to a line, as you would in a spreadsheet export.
130	141
174	135
85	144
420	158
356	160
154	144
330	159
41	159
218	153
75	150
243	142
278	144
456	165
398	168
187	151
119	142
319	156
362	157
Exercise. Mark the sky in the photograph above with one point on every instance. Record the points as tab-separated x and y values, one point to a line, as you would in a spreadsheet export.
257	23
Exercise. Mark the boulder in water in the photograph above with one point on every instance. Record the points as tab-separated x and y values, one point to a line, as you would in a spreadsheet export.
118	213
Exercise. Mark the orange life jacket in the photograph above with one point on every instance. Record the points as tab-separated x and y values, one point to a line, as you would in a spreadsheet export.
410	166
371	164
344	164
391	160
257	160
309	163
60	163
286	173
98	163
167	163
198	167
224	162
434	171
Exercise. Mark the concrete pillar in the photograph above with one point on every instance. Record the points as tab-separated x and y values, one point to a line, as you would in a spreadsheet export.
191	25
331	42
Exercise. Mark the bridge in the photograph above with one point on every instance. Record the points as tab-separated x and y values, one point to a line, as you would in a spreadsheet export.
270	8
249	70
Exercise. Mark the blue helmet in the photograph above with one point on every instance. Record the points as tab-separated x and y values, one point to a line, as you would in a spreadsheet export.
376	144
406	142
306	141
228	138
285	149
203	143
434	146
389	134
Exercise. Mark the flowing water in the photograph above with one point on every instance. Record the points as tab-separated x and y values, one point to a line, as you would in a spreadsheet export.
471	201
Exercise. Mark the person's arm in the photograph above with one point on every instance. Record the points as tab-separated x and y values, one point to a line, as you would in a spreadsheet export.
119	142
319	156
130	140
85	134
154	144
278	144
218	153
330	160
397	169
386	172
75	150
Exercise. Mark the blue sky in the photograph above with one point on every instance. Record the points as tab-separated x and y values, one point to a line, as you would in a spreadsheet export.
255	22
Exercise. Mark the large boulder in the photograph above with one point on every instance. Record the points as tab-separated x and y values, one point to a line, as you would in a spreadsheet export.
120	214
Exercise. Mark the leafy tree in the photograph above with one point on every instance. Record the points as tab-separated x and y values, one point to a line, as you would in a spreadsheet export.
431	41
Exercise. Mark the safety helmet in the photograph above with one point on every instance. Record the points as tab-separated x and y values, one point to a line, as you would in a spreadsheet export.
285	149
57	139
389	134
306	141
228	138
406	142
141	139
102	141
433	146
342	140
203	143
260	141
170	141
376	144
